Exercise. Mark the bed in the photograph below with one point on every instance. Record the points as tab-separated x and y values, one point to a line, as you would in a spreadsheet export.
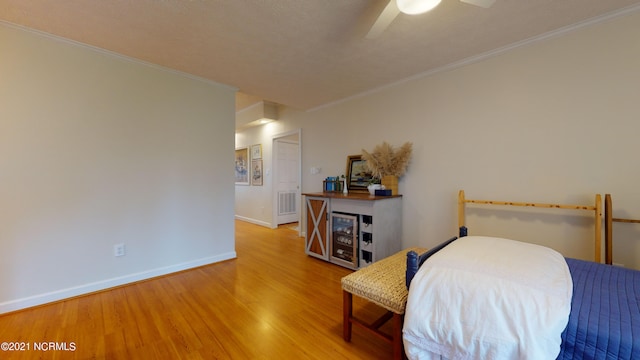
492	298
609	219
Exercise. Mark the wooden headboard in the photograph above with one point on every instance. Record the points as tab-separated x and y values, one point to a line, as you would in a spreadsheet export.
608	227
596	209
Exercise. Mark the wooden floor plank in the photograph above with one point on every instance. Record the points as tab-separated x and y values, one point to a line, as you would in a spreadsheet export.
272	302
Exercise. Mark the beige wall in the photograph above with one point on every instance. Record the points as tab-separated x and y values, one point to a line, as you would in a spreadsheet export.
553	121
97	150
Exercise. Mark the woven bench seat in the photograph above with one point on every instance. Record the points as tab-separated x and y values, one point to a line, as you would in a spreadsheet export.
382	283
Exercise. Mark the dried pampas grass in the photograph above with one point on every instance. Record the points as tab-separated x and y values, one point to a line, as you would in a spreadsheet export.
385	160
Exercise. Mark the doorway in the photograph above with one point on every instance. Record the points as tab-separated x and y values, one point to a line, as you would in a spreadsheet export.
286	178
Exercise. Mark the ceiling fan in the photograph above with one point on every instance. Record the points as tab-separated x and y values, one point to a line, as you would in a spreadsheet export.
411	7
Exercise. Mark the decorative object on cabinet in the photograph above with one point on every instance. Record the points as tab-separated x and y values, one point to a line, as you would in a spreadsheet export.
242	166
388	163
390	182
358	175
256	151
332	184
373	187
256	172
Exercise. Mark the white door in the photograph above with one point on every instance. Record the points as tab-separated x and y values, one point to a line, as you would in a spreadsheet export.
287	181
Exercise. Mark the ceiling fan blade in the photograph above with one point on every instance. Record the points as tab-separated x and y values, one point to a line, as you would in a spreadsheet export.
482	3
383	21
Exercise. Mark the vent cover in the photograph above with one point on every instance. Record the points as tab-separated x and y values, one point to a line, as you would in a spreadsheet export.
286	203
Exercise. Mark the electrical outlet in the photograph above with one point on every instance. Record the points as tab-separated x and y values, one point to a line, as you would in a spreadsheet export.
118	250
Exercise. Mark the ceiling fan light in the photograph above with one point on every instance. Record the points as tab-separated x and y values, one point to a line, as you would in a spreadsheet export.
414	7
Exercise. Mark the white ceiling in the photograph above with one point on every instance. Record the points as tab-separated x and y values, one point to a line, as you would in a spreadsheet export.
299	53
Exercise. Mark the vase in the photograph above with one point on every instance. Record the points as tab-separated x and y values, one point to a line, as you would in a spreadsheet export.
390	182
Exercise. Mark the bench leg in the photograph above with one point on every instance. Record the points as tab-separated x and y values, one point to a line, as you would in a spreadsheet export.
397	319
398	347
347	313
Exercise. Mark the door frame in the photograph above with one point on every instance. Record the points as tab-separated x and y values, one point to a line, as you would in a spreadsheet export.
274	209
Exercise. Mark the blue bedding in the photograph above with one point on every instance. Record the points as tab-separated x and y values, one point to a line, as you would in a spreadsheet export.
604	322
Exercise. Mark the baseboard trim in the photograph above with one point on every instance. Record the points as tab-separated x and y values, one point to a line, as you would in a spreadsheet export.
58	295
253	221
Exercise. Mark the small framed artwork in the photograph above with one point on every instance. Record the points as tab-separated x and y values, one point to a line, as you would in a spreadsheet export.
256	172
242	166
256	151
358	176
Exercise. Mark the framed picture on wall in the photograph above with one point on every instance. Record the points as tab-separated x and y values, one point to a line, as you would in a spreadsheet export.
256	172
256	151
242	166
358	176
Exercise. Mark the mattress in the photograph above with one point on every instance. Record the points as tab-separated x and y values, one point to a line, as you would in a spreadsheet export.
604	322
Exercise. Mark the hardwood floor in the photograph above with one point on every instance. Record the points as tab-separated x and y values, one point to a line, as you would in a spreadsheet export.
272	302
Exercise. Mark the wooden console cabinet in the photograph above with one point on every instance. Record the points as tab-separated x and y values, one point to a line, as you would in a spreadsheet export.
353	230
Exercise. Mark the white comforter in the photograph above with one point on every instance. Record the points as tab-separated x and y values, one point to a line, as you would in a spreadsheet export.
488	298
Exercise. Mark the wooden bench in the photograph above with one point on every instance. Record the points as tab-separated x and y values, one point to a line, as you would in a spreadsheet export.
382	283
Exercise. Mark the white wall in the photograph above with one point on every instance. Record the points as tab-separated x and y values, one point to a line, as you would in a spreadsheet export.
97	150
554	121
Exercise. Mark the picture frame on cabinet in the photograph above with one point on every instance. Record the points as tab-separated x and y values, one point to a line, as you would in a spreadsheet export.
358	175
256	172
256	151
242	166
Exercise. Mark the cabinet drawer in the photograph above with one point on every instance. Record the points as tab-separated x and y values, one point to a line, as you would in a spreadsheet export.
352	206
